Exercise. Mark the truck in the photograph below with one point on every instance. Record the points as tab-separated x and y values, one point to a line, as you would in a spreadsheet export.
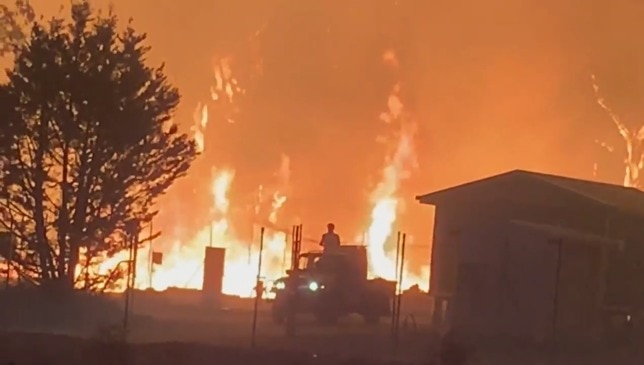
330	285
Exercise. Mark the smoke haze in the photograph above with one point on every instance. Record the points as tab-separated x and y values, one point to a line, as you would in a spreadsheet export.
494	85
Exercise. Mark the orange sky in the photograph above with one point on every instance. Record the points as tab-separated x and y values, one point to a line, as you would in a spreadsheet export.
495	85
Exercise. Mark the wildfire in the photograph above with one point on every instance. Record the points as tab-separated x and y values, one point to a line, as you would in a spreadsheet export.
183	258
633	139
224	93
198	130
226	86
385	197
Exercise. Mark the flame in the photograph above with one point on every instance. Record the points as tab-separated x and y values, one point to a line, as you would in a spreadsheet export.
201	121
183	257
224	92
633	140
226	87
385	199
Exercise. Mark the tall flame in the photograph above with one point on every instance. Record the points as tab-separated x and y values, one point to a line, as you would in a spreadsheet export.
183	257
198	129
226	87
385	199
633	139
224	93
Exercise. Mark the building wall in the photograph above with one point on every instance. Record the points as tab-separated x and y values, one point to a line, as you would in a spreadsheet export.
532	201
505	276
579	311
505	282
451	217
626	263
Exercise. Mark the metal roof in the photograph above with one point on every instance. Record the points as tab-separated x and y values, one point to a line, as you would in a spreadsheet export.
614	196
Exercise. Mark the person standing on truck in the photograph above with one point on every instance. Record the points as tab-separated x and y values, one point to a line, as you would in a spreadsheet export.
330	240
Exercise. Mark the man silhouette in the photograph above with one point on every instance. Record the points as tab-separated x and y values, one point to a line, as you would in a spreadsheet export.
330	240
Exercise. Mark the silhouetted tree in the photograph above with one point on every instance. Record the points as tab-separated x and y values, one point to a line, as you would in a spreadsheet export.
89	144
13	22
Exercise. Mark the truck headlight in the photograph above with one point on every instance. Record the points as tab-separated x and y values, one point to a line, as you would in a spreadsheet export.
313	286
280	285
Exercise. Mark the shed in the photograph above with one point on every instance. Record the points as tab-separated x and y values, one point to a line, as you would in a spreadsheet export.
527	254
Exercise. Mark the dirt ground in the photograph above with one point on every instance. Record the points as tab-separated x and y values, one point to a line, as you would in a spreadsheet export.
186	333
38	349
220	339
168	332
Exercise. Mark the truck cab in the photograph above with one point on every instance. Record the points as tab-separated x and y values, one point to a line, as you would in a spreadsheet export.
331	284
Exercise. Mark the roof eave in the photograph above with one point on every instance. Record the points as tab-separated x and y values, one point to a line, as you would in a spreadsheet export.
428	199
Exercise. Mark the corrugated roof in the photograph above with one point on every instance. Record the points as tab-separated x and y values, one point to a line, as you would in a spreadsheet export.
615	196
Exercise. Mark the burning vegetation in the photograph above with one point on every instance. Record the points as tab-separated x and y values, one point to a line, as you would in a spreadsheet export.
183	258
54	240
87	148
79	192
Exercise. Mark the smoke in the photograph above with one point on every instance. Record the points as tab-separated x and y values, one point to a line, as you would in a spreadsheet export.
495	85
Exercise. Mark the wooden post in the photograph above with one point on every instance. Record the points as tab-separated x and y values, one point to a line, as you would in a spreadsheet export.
394	302
133	239
258	295
399	293
128	288
150	256
293	277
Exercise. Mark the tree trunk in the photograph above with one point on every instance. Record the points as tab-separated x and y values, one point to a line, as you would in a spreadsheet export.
67	257
74	256
80	210
41	241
